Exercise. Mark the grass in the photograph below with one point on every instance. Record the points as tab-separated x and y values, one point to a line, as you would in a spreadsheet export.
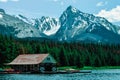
107	67
66	67
88	67
5	67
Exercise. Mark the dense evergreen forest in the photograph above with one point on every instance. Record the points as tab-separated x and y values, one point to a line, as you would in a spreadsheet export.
66	54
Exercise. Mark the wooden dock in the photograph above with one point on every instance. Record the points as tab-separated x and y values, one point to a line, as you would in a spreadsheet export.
47	72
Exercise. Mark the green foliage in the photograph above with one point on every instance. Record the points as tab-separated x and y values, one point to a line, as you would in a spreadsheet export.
66	54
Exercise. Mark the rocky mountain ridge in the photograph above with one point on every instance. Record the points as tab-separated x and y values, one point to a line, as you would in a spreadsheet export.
73	25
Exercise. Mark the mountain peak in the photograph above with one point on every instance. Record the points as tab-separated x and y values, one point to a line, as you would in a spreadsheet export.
2	11
72	9
69	7
73	25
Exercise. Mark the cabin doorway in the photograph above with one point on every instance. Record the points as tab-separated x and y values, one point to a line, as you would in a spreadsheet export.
48	67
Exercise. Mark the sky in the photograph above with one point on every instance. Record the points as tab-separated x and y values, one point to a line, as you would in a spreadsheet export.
109	9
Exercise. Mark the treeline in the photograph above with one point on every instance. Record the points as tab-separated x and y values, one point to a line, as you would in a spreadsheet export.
66	54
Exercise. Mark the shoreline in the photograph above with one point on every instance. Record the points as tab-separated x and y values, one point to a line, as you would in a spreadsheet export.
67	69
88	67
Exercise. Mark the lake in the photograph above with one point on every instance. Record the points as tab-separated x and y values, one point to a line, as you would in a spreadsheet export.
109	74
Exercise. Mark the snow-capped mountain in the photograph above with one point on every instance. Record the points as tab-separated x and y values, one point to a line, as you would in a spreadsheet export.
25	19
47	25
11	25
79	26
73	25
22	27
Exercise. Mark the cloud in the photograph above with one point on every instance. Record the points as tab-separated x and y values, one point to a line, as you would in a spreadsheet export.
3	0
9	0
74	1
59	1
55	0
14	0
62	3
112	15
99	4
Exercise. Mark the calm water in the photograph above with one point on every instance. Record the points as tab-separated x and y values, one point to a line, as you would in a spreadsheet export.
111	74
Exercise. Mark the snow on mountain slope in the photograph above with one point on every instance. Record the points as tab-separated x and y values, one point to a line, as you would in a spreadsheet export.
19	28
75	23
26	20
1	16
1	13
47	25
25	27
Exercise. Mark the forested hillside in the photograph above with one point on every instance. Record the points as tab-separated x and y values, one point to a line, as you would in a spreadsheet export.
66	54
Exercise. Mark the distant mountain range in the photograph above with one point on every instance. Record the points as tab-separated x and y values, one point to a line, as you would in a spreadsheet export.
73	25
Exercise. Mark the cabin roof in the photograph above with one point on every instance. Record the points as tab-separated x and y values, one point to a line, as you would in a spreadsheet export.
28	59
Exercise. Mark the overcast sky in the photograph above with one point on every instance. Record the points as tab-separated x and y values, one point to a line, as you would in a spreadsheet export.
109	9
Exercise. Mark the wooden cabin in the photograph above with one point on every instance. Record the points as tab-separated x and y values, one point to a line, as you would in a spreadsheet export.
34	63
